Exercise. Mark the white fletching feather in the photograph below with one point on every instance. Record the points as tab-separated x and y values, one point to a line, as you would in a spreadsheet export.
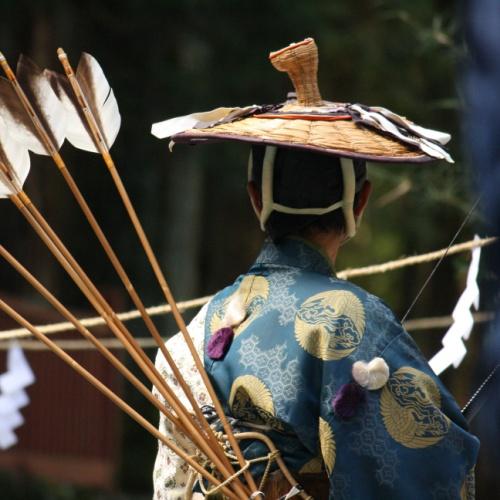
77	131
17	122
100	97
46	104
13	155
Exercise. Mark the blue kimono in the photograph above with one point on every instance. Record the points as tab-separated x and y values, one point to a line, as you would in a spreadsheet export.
303	329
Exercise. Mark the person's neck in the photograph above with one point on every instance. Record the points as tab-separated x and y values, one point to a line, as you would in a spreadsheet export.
328	242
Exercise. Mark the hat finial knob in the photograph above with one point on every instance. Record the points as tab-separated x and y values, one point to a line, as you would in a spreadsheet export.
300	61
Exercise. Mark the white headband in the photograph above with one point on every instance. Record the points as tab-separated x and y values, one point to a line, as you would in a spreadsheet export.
268	204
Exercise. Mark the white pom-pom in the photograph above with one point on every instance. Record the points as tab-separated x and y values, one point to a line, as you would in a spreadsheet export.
372	375
360	373
235	312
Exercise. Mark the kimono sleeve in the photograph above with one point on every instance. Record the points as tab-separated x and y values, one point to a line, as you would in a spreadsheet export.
407	440
170	473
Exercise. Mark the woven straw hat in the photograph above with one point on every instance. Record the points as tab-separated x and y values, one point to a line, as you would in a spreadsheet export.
308	122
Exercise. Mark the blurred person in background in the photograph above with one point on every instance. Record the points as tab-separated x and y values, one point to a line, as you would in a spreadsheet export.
481	85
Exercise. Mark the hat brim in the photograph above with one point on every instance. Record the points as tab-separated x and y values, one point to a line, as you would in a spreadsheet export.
340	138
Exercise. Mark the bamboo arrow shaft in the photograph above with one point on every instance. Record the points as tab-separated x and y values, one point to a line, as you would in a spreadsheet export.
62	255
9	177
136	351
52	149
102	147
115	262
185	421
92	294
178	318
111	395
99	141
58	249
86	333
55	245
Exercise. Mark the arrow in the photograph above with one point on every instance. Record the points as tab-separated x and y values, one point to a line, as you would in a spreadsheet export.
209	446
99	102
109	394
30	106
88	96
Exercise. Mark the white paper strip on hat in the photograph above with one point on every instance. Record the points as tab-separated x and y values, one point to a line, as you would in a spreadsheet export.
454	350
428	141
12	396
204	119
427	133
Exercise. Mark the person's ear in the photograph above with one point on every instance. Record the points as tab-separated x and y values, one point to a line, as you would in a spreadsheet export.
255	198
363	196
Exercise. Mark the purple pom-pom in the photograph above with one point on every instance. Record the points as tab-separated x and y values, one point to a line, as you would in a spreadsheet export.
219	343
347	400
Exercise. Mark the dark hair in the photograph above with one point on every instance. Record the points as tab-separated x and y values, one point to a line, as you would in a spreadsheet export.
304	179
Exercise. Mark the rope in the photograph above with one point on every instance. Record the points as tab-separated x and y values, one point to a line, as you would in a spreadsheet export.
270	459
99	321
80	344
442	321
215	489
436	322
190	304
415	259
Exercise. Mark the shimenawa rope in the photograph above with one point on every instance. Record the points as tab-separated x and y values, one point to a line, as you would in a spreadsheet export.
198	302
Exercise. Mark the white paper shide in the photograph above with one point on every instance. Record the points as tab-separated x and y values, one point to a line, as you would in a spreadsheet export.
13	397
454	350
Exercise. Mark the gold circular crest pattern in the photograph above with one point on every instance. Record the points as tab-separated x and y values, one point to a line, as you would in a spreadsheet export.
467	491
314	466
251	400
327	445
254	292
410	405
330	325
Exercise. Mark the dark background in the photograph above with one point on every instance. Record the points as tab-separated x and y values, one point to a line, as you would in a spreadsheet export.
168	58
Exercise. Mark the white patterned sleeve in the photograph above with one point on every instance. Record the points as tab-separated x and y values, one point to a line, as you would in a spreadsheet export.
170	471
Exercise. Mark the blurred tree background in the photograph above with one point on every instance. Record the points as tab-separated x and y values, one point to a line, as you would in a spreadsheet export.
166	58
